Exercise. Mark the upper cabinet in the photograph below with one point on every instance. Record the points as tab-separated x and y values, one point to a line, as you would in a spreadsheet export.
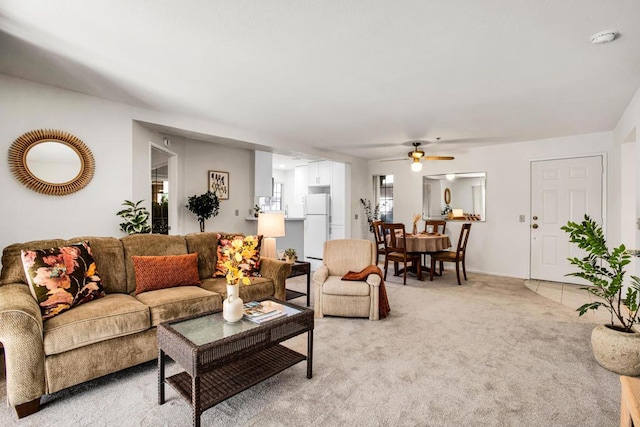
319	173
301	176
263	174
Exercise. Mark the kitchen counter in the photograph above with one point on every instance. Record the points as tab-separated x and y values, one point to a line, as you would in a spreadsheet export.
253	218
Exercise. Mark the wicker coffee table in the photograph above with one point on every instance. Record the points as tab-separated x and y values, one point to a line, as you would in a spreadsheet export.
221	359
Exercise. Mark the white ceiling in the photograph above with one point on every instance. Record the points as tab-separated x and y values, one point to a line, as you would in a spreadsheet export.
353	76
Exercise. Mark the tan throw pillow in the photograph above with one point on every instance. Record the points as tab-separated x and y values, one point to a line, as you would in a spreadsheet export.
62	278
160	272
250	265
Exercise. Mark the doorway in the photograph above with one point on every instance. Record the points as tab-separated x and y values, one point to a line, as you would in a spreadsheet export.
562	190
163	196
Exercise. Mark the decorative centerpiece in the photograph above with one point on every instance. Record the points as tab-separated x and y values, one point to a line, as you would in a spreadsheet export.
416	218
290	255
240	250
616	346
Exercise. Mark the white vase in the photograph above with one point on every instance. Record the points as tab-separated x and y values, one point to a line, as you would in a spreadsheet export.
232	306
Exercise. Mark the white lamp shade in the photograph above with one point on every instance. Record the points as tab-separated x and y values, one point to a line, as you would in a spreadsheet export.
271	224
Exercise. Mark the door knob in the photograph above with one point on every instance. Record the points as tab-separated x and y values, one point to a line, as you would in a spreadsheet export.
534	226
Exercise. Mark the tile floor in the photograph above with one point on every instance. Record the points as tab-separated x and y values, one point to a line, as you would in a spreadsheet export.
567	294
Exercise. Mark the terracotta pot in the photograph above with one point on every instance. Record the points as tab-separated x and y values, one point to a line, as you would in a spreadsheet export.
616	351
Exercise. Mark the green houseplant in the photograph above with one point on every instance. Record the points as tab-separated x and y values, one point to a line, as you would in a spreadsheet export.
135	218
616	345
290	255
204	206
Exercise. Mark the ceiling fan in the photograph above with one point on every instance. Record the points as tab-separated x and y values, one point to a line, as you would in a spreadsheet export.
416	155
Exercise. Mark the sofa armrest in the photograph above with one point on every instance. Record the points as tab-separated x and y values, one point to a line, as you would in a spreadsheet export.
21	336
278	271
374	280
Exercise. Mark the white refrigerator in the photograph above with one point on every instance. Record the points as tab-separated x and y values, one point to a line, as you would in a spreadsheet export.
316	225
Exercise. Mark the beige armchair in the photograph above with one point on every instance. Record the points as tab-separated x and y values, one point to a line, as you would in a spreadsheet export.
336	297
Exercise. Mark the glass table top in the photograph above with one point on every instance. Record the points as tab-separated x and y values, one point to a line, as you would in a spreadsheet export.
212	327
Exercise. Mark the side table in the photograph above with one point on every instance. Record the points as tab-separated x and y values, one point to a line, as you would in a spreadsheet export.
300	268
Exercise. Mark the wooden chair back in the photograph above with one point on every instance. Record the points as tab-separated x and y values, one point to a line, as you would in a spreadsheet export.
396	236
439	225
462	241
378	232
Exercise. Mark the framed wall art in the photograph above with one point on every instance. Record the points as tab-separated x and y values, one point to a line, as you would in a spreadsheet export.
219	184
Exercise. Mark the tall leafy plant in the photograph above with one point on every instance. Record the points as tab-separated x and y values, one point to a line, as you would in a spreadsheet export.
204	206
605	270
372	215
135	218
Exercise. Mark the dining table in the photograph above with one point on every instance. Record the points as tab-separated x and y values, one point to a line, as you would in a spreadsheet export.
425	243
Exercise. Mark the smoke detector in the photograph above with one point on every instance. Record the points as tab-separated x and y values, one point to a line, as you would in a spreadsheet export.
604	36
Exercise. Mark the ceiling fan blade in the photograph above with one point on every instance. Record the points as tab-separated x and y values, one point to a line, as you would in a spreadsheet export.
438	157
391	160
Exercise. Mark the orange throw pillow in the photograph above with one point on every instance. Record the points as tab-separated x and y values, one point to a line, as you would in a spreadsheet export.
160	272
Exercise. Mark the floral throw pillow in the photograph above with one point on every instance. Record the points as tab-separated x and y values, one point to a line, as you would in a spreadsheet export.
62	278
250	265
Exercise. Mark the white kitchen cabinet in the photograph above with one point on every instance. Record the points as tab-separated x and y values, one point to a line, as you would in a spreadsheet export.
338	216
319	173
301	175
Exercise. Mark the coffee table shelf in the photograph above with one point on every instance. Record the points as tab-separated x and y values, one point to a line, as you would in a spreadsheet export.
220	359
229	380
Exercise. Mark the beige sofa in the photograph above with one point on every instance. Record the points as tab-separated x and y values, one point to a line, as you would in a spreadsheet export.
110	333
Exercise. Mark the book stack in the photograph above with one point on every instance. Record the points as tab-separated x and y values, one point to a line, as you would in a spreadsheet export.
260	312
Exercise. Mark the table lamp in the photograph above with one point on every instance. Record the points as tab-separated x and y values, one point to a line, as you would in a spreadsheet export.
270	226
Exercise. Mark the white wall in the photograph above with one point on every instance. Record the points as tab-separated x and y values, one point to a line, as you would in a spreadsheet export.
119	141
106	130
501	244
626	134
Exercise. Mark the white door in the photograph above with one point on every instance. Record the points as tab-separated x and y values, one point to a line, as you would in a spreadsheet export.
561	191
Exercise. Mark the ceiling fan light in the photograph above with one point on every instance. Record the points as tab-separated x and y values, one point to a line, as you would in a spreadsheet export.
416	166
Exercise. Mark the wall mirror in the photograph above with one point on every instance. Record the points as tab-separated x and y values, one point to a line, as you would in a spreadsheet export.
51	162
465	193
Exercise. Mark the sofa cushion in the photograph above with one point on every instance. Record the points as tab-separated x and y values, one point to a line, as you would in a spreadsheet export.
109	256
112	316
172	303
62	278
205	244
160	272
250	259
149	245
260	287
334	285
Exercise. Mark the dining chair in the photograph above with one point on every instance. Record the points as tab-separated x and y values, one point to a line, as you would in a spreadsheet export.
395	244
439	225
378	232
458	256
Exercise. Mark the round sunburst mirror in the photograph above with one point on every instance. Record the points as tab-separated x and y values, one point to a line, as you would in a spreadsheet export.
51	162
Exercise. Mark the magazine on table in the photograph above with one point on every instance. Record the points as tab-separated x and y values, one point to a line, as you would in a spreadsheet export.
260	312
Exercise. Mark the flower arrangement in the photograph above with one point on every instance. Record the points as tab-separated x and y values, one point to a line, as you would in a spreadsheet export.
290	254
237	254
371	215
416	218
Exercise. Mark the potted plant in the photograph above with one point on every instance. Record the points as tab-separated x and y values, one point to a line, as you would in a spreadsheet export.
257	210
135	218
616	346
204	206
290	255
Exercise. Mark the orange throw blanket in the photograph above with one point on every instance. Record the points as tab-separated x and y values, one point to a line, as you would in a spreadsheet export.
383	302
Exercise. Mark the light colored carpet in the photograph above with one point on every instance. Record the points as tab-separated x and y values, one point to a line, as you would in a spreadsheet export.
490	353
